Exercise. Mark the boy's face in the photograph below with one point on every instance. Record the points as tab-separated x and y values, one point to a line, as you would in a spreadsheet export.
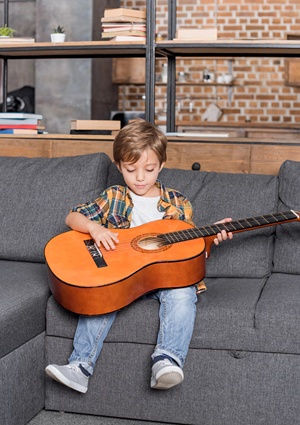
141	176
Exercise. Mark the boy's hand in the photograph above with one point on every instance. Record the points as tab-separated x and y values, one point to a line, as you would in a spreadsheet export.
104	236
223	235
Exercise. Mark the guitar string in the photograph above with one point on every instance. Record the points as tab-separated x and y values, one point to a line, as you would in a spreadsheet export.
165	239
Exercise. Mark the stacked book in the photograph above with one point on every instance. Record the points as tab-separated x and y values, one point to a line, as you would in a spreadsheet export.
20	123
16	40
94	127
123	24
196	34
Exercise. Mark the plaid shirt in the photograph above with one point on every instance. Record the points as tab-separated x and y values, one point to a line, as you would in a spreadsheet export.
113	209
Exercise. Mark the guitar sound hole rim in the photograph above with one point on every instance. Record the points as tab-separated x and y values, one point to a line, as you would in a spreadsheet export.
136	244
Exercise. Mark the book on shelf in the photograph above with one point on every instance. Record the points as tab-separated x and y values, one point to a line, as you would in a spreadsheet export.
194	34
197	134
18	121
95	132
20	131
134	38
122	18
122	11
95	125
30	126
16	40
111	34
20	115
123	27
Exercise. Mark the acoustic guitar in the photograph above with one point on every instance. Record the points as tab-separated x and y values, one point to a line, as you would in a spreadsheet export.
161	254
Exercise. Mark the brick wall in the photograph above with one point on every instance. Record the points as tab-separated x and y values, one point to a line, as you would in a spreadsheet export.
259	93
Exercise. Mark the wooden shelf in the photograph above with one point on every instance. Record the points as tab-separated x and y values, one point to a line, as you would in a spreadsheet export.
225	48
220	48
82	49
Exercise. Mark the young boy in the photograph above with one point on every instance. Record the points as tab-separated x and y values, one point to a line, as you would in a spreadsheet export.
140	153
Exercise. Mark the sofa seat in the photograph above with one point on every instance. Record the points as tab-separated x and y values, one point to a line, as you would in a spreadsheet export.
219	377
233	314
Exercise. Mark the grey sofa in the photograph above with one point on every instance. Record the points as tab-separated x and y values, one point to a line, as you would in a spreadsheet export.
243	365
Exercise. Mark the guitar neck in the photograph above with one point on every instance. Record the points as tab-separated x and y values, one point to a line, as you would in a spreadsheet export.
233	226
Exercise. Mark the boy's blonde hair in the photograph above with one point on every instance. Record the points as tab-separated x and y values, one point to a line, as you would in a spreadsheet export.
135	137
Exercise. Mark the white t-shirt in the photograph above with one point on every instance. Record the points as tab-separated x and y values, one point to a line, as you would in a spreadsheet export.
144	209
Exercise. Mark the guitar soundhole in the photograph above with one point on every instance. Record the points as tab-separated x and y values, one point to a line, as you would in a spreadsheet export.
149	242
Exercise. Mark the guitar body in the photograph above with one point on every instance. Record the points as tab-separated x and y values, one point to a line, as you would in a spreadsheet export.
88	282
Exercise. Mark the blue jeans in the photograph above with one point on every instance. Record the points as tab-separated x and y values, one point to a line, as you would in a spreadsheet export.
177	316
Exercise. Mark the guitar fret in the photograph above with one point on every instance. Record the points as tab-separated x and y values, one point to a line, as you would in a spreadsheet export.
228	227
201	229
237	225
193	233
211	230
244	223
250	222
256	219
271	218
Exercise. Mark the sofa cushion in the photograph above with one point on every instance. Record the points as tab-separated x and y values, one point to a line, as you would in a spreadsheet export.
36	195
278	313
287	241
24	294
215	196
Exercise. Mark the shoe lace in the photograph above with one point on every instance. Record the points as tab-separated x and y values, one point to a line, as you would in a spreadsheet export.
73	367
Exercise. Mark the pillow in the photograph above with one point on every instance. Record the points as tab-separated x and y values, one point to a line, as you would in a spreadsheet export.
36	195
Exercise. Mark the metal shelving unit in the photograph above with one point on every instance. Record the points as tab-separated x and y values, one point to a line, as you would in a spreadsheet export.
150	50
220	48
90	49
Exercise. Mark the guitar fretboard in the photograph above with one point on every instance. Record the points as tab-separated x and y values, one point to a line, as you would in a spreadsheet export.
233	226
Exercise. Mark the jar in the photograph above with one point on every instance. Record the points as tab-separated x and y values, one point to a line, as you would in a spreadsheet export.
208	76
164	73
181	77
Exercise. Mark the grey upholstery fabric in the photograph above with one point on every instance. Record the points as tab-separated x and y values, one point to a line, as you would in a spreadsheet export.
287	253
22	383
36	195
24	293
278	313
221	387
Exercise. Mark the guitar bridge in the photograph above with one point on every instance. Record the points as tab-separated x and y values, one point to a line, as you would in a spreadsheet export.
95	253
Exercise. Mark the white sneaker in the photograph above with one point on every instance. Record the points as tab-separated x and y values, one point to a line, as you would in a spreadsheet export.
69	375
165	375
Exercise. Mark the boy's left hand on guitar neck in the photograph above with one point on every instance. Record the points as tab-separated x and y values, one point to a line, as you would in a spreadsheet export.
223	235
